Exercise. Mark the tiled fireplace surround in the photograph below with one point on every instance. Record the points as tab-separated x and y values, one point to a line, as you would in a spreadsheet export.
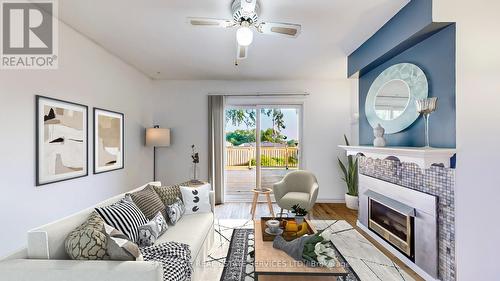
437	181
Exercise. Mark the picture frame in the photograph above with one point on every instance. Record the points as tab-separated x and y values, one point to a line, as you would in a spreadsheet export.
61	140
109	153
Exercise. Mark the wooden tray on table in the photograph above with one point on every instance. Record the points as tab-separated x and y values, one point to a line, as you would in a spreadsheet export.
288	235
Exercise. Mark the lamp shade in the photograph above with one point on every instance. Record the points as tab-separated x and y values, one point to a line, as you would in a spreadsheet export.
157	137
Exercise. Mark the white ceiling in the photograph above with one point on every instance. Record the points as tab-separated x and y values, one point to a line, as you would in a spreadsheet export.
154	37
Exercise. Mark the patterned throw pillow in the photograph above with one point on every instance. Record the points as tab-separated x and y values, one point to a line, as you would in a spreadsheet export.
148	202
175	211
119	248
169	194
87	242
124	216
196	199
149	232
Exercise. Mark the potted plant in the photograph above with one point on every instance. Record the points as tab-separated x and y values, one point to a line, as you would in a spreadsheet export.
351	179
299	213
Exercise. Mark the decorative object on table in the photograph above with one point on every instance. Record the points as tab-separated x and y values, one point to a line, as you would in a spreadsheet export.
315	250
157	137
426	107
351	179
289	229
150	231
391	98
297	187
61	140
299	213
108	141
196	199
273	227
379	140
196	159
267	193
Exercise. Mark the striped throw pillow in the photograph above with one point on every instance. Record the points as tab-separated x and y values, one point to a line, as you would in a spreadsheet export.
124	216
148	201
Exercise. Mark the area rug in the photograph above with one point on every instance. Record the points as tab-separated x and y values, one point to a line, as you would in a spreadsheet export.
231	260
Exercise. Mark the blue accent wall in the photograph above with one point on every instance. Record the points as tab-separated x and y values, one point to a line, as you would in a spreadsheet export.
412	22
435	55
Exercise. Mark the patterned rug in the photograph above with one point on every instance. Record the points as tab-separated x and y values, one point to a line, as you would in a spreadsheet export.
234	244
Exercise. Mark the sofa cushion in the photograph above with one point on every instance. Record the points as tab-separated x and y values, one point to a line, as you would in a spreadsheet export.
148	201
149	232
168	194
175	211
87	241
191	230
196	199
124	216
292	198
118	247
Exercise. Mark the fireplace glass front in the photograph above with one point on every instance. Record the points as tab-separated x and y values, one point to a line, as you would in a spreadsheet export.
393	226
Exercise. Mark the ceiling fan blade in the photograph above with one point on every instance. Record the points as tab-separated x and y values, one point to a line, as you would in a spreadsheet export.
241	52
248	5
276	28
211	22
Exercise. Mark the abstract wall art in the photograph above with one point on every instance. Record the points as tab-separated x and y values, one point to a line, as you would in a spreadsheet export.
61	144
108	140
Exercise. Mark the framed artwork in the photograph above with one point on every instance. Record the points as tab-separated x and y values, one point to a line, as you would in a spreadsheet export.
108	141
61	140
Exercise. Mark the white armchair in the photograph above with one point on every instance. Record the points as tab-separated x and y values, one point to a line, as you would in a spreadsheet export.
298	187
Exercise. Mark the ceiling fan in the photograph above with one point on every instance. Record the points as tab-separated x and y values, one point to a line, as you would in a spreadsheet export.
246	19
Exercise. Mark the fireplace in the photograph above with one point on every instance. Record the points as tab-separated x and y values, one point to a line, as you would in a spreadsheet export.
392	225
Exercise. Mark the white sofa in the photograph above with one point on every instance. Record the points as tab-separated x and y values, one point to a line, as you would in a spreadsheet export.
45	259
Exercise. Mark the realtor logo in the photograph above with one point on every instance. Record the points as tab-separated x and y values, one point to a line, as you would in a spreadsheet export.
28	35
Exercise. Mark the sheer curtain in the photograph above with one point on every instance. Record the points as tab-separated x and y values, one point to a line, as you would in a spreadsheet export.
216	143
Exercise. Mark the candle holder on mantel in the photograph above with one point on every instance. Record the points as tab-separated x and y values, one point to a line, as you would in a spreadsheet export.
426	107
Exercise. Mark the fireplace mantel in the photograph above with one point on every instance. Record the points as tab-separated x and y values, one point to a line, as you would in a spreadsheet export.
422	156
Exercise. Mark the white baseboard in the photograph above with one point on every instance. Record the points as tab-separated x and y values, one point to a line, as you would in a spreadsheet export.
330	201
396	253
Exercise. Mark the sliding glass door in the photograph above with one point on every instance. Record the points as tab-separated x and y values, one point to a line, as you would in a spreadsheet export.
262	146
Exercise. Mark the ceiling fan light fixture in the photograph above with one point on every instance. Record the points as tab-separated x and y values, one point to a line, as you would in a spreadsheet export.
244	36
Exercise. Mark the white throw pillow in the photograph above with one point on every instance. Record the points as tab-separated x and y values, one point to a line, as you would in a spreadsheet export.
196	199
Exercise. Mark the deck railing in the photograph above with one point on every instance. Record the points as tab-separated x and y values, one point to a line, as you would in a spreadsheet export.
272	157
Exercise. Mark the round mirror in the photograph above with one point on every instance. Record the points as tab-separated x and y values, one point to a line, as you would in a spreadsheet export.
392	99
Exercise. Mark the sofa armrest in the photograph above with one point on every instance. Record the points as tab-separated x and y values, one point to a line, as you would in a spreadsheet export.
212	200
72	270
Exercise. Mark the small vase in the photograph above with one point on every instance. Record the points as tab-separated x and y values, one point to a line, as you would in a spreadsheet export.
299	219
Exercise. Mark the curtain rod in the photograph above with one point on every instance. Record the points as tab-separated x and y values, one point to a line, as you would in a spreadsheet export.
262	94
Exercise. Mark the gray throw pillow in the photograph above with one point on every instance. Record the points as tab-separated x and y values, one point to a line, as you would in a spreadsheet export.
149	232
175	211
119	248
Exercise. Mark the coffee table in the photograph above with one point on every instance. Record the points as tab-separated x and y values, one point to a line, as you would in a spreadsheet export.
276	265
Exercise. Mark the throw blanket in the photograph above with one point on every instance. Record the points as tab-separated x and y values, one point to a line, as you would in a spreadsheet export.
174	257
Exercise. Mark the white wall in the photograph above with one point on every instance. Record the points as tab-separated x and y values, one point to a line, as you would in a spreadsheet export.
183	107
89	75
478	133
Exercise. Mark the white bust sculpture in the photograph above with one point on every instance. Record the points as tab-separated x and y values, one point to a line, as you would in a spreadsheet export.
378	132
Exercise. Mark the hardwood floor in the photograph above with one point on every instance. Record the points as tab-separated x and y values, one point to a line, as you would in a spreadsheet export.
321	211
